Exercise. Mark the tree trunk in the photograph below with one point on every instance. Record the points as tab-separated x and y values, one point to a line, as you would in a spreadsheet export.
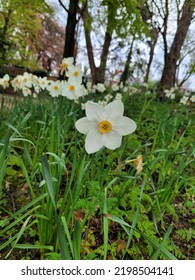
126	73
152	43
85	17
69	48
168	76
98	73
4	44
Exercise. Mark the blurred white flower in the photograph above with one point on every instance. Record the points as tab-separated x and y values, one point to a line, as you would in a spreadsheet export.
4	82
100	87
132	90
145	85
192	98
34	79
118	96
89	86
26	80
75	72
36	90
43	82
187	93
83	106
54	88
66	63
121	86
26	91
108	97
72	89
115	87
84	91
168	92
16	84
102	103
104	126
184	100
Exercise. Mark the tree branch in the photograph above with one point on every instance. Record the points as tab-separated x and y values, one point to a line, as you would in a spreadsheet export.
63	6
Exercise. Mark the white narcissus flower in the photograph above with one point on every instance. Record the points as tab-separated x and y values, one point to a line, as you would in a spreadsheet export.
66	63
4	82
89	86
192	98
102	102
104	126
75	72
54	88
115	87
108	97
34	79
43	82
118	96
26	91
26	80
100	87
16	82
72	89
184	100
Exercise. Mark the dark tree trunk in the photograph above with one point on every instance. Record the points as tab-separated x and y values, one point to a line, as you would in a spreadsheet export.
152	43
69	48
4	44
168	76
126	73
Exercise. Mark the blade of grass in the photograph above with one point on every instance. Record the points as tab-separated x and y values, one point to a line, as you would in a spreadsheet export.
33	202
105	222
165	239
77	240
33	247
19	235
64	223
63	244
3	160
48	180
19	219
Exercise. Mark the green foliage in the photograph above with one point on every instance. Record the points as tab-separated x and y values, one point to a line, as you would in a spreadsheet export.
186	234
19	28
122	16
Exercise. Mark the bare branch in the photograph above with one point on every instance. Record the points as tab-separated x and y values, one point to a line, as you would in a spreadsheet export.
63	6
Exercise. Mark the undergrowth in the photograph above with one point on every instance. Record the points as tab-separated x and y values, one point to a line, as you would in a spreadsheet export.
57	202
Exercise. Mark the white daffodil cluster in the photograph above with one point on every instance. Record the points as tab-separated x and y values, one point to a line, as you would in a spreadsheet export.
29	84
109	92
187	96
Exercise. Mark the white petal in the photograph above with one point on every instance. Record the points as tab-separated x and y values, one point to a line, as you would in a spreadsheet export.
112	140
95	111
93	142
123	125
84	125
114	109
